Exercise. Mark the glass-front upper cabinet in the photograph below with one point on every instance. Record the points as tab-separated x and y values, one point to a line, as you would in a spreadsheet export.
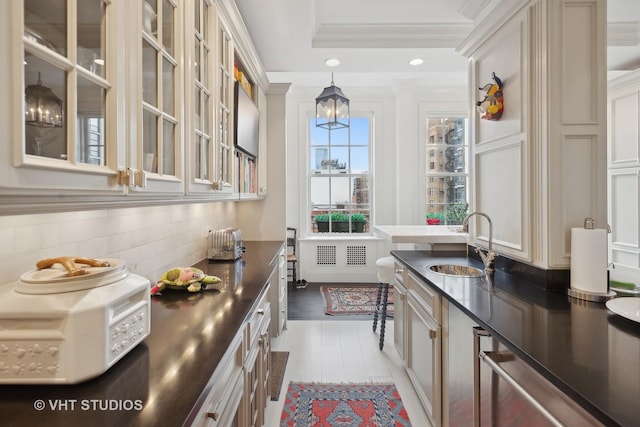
57	138
224	111
200	96
157	155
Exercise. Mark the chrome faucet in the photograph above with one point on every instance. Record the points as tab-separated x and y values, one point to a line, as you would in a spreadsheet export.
488	256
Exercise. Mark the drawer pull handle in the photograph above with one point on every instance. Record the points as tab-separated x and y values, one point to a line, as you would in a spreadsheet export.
486	358
433	333
213	415
260	311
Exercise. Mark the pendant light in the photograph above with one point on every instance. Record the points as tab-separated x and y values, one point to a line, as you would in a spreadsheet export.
42	107
332	108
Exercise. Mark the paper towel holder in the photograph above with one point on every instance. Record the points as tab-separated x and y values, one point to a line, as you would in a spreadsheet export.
589	224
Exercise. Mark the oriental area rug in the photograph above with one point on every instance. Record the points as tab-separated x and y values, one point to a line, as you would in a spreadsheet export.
352	300
353	405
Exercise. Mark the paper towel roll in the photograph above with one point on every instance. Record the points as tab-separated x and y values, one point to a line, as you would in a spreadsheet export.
589	260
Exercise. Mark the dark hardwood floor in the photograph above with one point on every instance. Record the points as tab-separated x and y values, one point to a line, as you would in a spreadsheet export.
307	303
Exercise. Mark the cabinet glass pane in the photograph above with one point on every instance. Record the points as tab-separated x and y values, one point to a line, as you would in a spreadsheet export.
205	113
90	142
46	23
225	176
203	66
149	74
149	141
168	149
222	87
91	35
149	14
197	109
45	109
167	26
206	164
196	60
196	13
197	152
168	89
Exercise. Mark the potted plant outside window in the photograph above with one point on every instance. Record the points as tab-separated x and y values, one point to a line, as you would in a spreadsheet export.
340	222
358	222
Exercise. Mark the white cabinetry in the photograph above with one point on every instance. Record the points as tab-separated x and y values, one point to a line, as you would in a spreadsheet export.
257	363
138	104
222	405
399	312
624	169
239	387
423	344
279	295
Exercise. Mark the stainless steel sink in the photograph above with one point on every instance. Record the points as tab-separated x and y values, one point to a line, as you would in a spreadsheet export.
456	270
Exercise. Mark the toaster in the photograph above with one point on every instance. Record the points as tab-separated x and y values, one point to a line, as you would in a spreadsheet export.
225	244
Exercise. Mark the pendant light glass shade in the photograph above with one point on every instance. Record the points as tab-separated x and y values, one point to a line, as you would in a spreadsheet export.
42	107
332	108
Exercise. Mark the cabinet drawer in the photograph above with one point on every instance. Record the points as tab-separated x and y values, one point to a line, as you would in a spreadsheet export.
256	320
426	295
224	397
399	271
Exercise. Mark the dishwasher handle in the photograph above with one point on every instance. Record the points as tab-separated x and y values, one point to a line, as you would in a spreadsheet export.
487	358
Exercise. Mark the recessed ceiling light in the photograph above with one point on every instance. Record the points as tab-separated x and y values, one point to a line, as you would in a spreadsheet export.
416	61
332	62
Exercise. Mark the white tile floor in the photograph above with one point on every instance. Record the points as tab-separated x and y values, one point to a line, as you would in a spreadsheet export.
342	351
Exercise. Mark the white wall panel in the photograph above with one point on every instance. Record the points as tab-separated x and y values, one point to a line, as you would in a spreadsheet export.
624	129
579	50
625	197
498	57
499	193
624	176
579	156
552	57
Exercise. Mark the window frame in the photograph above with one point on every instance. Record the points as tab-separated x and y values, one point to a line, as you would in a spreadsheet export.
308	223
427	112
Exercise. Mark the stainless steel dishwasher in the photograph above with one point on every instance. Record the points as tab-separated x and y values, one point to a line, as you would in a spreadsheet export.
485	384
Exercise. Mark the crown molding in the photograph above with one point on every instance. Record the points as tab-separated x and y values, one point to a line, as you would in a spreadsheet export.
390	35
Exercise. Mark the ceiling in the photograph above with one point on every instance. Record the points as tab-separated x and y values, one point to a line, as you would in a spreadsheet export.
375	39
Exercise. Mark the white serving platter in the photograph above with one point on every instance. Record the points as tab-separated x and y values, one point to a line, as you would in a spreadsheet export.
628	307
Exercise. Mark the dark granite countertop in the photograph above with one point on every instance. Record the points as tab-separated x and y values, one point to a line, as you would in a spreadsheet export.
590	353
160	380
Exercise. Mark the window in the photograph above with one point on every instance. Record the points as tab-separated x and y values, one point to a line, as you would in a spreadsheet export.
447	172
340	177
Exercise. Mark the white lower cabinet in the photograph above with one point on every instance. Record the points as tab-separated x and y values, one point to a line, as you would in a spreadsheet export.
418	338
423	359
240	384
279	295
399	310
257	364
222	406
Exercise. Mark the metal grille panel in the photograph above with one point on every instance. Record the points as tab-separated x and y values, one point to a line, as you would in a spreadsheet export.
356	255
326	255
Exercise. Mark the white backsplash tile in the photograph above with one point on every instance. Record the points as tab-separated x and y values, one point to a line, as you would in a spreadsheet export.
149	239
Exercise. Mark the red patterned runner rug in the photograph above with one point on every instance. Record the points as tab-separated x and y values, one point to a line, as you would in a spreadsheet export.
352	300
353	405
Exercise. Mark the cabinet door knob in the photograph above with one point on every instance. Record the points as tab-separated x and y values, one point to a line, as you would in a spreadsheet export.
433	333
260	311
213	415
